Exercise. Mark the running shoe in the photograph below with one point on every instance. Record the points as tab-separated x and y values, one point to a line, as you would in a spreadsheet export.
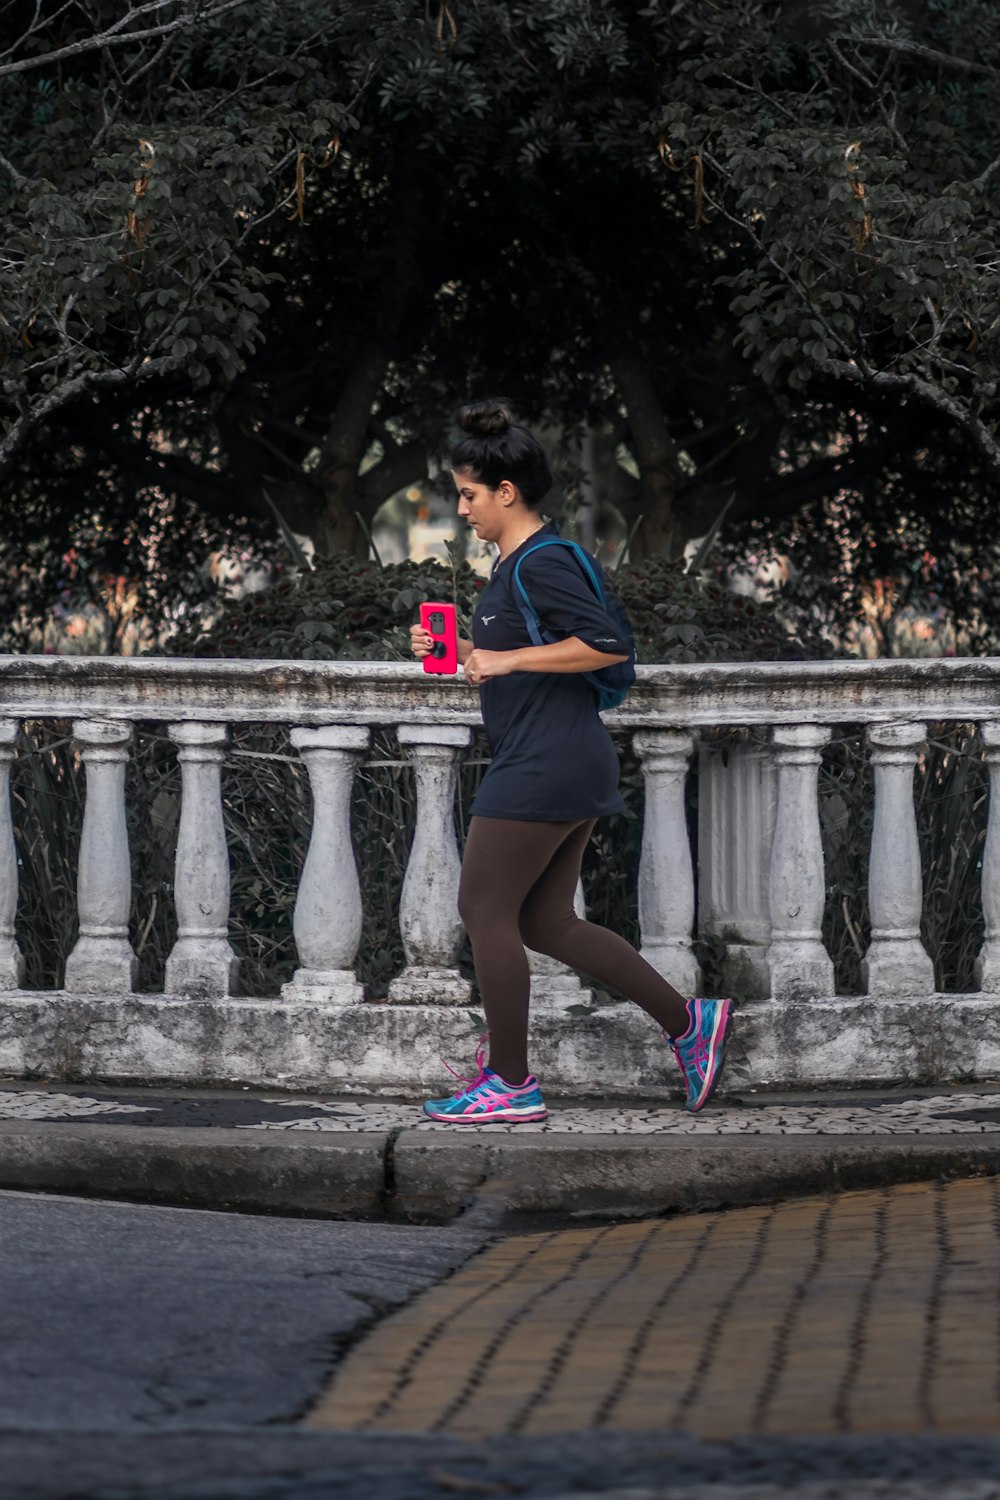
701	1051
488	1097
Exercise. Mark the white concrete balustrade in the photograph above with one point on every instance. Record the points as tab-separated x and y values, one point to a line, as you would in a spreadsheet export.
103	958
11	960
328	915
428	914
751	878
201	961
666	878
798	963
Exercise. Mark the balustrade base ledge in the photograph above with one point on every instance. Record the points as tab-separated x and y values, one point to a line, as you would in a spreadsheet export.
12	969
323	987
559	994
424	986
385	1049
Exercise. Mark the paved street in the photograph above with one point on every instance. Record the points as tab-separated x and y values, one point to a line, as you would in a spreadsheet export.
121	1316
869	1312
827	1349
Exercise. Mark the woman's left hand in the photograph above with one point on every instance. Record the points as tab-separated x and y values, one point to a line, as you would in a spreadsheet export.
482	665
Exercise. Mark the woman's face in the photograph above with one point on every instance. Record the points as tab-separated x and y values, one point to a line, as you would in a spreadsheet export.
486	510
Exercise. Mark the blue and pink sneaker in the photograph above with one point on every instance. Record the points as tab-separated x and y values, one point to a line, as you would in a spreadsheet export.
489	1098
701	1050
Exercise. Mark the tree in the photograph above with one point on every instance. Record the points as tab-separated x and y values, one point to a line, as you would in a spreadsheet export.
252	267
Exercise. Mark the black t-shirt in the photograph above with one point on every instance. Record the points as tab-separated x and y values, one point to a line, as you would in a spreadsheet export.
552	759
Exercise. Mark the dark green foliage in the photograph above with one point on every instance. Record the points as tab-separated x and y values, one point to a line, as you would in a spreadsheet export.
747	245
678	616
344	609
350	610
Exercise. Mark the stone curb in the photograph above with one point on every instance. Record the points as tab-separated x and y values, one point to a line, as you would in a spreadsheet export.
424	1178
341	1177
619	1177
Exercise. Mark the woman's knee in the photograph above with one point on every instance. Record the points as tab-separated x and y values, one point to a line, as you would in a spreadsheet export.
470	904
478	905
546	935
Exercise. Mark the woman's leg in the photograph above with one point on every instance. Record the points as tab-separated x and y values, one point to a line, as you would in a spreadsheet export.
504	858
548	924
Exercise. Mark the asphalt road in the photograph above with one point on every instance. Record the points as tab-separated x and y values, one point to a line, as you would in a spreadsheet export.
169	1354
126	1317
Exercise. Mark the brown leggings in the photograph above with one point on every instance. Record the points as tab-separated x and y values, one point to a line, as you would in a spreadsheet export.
516	892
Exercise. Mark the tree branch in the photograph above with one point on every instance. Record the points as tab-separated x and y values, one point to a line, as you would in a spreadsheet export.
401	466
79	385
864	78
887	380
917	49
211	491
117	36
814	481
17	177
986	173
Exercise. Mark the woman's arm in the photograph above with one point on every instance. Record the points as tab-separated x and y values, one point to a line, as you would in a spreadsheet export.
570	655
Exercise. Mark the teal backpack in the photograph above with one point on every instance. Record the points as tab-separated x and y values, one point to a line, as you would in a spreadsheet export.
610	683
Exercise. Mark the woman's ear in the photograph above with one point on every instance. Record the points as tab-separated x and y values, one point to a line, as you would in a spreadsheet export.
507	492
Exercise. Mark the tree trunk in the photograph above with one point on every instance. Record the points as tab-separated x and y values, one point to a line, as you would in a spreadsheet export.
656	455
344	448
259	489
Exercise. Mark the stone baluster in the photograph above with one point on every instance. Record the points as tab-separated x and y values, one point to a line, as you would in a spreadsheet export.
897	963
428	909
737	801
328	912
554	986
666	877
11	959
988	962
799	964
102	959
201	962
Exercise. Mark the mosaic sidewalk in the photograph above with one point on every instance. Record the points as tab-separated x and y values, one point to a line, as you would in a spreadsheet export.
868	1312
973	1113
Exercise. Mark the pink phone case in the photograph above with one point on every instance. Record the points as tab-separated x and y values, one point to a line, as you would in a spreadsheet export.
439	621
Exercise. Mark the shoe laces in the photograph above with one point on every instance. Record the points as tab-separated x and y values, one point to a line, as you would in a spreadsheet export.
480	1062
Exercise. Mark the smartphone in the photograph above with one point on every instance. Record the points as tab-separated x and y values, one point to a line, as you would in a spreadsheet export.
439	621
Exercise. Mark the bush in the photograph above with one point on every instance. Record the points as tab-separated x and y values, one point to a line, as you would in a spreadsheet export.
350	610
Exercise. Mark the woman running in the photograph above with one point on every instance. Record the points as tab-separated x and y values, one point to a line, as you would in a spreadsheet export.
553	773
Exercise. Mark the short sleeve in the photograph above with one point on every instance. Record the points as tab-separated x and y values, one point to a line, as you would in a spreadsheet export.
565	602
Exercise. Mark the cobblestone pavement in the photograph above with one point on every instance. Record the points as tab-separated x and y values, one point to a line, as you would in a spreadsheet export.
868	1312
919	1113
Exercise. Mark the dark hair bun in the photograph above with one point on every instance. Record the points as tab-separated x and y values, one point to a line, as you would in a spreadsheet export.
495	447
485	418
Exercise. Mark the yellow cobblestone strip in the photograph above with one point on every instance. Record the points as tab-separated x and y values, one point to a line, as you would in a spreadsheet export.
867	1312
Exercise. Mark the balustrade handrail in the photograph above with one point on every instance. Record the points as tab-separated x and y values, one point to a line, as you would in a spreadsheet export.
690	695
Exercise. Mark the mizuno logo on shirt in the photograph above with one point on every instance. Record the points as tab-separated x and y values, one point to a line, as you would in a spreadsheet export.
487	618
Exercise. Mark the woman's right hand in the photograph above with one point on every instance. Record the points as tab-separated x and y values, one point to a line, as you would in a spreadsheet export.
421	641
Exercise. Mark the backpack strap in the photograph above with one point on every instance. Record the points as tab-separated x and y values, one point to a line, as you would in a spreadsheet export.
525	605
